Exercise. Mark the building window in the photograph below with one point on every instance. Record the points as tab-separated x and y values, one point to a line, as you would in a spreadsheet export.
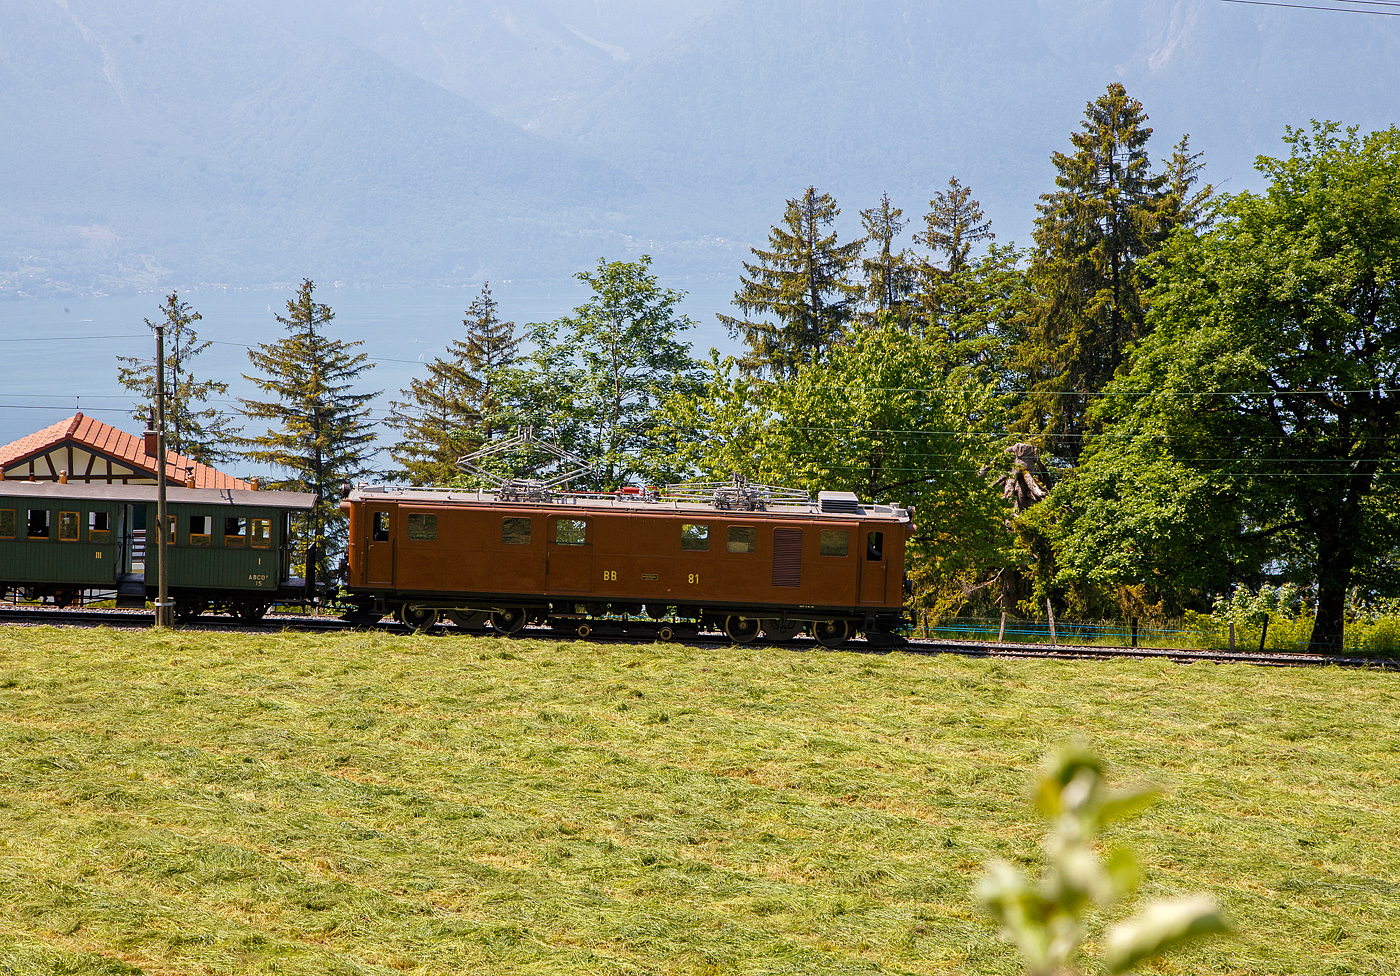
201	527
38	523
7	523
99	527
260	533
422	528
571	532
742	539
515	531
68	526
235	532
835	542
695	538
875	546
379	532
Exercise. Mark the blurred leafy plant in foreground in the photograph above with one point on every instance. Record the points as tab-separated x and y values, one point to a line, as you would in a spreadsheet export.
1045	920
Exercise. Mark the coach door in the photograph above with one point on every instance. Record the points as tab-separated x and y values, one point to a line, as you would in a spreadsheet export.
379	549
874	567
568	558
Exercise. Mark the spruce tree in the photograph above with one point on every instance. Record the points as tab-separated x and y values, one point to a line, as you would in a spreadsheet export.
452	411
803	281
951	293
953	225
198	433
889	275
319	429
1110	211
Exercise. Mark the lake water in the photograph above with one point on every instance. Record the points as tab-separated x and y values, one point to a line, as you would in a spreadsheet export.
61	353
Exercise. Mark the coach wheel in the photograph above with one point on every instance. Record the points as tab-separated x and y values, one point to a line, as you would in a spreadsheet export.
508	621
188	609
666	635
775	630
252	612
583	630
419	618
741	630
831	633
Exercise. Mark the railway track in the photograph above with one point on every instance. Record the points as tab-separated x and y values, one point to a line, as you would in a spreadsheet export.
632	632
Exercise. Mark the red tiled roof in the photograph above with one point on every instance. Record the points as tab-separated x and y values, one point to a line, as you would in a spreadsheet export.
117	445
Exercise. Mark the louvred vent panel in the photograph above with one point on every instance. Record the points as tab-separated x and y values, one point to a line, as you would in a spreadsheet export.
787	557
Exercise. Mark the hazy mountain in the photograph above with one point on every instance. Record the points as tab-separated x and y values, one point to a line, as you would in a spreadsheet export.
247	141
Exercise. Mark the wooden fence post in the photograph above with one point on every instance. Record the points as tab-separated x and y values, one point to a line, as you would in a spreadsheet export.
1134	627
1001	634
1263	634
1054	642
1232	637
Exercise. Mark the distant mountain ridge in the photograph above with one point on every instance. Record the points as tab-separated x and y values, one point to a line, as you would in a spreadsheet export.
145	144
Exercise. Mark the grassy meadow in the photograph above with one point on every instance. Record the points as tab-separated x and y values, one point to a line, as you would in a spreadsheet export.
198	803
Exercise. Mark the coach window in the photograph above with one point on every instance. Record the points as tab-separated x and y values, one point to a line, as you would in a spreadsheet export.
201	527
68	526
422	528
875	546
380	531
38	523
835	542
515	531
7	523
571	532
99	527
235	532
695	538
742	539
260	533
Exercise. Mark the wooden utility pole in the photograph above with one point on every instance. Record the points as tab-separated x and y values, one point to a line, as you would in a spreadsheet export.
164	616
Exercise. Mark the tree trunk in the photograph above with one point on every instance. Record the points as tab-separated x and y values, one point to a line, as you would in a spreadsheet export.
1334	565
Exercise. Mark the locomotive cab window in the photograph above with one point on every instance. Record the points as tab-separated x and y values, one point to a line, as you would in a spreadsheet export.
260	533
515	531
235	532
380	529
99	527
38	523
742	539
7	523
695	538
875	546
68	526
421	527
201	527
571	532
835	542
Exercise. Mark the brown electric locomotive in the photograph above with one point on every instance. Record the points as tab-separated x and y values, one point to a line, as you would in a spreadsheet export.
740	560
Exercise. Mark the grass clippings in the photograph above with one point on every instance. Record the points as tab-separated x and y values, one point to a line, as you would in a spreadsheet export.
200	803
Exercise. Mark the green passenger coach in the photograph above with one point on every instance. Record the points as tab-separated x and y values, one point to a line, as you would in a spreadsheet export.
230	549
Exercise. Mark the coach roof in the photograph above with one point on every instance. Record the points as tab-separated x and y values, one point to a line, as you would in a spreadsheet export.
49	490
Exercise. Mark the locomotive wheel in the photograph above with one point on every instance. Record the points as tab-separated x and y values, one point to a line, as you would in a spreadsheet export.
665	635
468	619
741	630
831	633
658	611
583	630
419	618
508	621
774	630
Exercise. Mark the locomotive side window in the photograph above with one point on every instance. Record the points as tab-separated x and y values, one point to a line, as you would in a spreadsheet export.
515	531
201	527
570	532
7	523
99	527
835	542
260	535
67	526
695	538
422	528
235	532
742	539
875	546
380	531
38	523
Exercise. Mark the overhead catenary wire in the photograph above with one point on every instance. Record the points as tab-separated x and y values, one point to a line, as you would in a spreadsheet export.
1340	10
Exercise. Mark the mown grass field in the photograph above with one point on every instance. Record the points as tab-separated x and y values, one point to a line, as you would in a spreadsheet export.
359	803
